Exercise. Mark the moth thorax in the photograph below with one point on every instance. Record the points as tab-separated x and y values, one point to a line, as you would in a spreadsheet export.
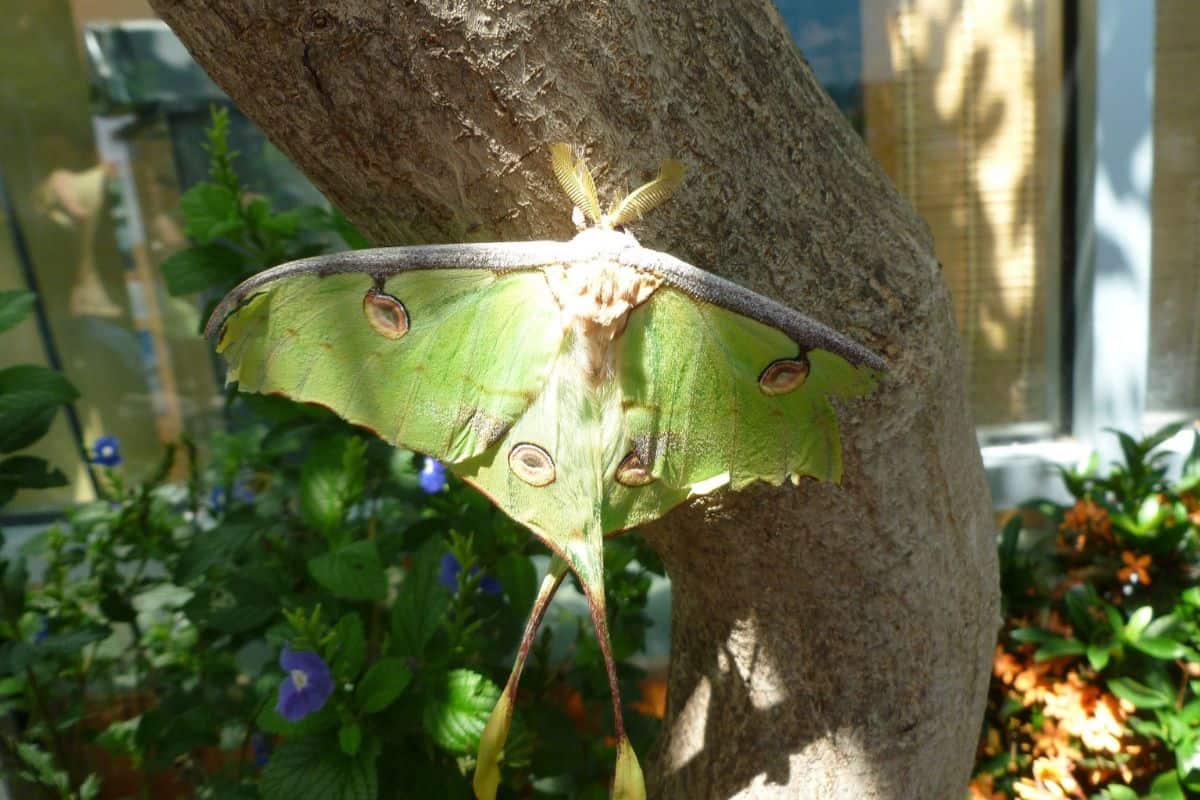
594	300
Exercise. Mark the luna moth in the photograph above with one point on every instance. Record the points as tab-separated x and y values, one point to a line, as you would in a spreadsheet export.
586	387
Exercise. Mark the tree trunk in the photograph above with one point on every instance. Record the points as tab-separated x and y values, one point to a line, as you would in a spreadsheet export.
827	642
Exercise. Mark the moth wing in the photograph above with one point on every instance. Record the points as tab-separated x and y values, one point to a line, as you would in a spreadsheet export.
477	348
713	397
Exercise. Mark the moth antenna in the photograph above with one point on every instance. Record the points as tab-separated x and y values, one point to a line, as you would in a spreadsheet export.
575	179
648	195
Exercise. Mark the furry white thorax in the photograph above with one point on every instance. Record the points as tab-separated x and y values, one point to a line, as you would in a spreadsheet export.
595	294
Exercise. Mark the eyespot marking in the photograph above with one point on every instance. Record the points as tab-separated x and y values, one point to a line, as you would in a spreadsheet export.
386	314
633	472
784	375
531	464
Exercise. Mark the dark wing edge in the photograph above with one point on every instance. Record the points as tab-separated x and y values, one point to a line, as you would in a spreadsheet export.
383	262
709	288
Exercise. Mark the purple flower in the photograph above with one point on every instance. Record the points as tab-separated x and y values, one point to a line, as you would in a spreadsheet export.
433	476
448	576
106	451
307	686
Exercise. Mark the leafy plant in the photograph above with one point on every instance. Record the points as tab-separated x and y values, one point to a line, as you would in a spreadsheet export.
1096	679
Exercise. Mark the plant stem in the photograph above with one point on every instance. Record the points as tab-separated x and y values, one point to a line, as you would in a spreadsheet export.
39	700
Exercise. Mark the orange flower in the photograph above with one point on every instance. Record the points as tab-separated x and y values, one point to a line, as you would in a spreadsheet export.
982	787
1086	518
1052	780
1005	665
1086	712
1193	507
1134	565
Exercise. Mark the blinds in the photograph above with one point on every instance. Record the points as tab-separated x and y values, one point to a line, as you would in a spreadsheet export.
1173	383
962	104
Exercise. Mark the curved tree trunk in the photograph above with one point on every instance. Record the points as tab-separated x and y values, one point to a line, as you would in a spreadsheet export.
827	642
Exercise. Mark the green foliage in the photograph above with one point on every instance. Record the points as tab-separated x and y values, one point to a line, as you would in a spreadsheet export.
1096	686
155	628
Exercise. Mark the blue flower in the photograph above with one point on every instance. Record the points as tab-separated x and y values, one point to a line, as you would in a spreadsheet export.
218	498
307	686
43	630
106	451
448	576
433	476
260	748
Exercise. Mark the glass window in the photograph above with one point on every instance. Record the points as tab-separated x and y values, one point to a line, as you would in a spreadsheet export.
102	125
962	108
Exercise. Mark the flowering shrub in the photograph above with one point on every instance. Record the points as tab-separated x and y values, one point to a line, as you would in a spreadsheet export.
1096	677
312	615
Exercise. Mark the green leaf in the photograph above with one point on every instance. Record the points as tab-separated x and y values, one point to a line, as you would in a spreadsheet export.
421	603
326	719
352	572
211	548
1131	450
313	768
1151	513
1160	647
1189	477
350	647
382	684
1060	647
1187	759
14	306
457	709
1166	787
1138	622
1098	656
1036	635
27	472
90	788
1114	792
210	211
332	478
199	268
349	738
1051	645
1139	693
243	601
1161	435
29	398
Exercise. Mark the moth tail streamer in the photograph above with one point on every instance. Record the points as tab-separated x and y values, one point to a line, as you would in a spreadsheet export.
588	564
491	742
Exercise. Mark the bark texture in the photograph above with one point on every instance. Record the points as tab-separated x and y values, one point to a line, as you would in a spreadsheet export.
828	642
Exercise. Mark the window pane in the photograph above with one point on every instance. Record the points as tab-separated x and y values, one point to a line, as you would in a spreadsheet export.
962	109
960	103
1174	369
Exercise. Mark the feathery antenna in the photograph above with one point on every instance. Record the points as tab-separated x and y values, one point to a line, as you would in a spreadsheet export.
648	195
576	180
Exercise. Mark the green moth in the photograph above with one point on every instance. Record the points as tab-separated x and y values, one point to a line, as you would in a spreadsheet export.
586	387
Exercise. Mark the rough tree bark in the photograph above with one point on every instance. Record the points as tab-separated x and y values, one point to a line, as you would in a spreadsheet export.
827	642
